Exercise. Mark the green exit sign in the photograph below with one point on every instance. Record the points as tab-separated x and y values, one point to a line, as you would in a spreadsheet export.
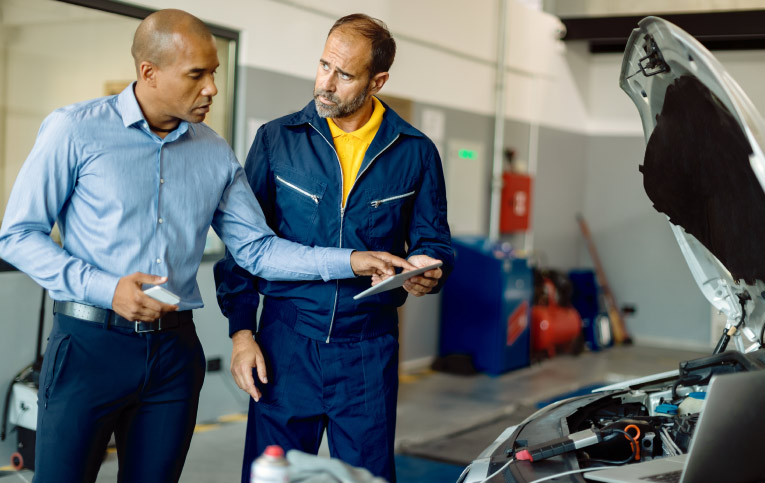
467	154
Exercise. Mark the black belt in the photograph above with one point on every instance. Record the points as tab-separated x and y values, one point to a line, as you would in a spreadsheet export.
88	313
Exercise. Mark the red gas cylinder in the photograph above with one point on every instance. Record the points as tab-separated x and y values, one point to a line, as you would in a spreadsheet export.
553	325
515	208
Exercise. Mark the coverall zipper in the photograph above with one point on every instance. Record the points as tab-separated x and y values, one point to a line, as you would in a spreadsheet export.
298	189
392	198
342	209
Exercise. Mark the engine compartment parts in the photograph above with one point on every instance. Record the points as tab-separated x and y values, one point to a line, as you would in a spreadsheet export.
631	426
571	442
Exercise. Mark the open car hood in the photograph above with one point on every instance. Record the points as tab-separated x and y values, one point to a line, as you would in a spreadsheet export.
704	167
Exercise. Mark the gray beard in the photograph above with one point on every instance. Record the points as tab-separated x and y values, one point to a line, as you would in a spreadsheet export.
340	109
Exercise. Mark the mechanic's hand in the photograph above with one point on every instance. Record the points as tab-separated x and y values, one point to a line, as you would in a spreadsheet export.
246	356
130	302
424	283
379	264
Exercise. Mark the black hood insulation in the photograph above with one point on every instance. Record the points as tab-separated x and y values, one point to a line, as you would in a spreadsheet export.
696	171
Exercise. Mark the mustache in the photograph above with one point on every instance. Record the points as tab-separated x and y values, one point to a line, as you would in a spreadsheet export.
327	95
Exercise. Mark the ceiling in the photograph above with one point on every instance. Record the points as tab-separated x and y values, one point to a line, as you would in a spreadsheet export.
642	8
718	24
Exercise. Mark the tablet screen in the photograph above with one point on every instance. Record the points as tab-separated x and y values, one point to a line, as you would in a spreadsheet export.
395	281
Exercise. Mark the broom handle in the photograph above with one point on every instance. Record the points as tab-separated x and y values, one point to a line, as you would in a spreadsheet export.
617	323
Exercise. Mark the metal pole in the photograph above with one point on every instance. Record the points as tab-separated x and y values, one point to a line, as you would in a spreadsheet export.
499	124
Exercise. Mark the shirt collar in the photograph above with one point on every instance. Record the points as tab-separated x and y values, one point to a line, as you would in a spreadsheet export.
132	115
128	106
365	131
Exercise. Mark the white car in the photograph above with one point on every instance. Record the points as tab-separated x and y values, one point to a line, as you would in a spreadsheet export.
704	168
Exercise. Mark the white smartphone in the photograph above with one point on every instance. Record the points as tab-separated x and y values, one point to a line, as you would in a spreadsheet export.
163	295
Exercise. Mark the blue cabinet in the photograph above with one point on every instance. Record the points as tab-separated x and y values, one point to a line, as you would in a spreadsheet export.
486	307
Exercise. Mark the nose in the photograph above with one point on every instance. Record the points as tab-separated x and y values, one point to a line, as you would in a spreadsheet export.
210	89
327	82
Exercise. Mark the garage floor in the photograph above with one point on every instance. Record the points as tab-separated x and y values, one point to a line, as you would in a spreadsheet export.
438	407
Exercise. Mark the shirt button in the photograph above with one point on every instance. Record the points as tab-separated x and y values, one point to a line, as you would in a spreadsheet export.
159	260
161	221
161	180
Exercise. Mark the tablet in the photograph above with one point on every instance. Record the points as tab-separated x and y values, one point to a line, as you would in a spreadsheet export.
395	281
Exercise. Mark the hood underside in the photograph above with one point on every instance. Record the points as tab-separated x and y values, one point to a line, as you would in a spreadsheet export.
697	172
703	166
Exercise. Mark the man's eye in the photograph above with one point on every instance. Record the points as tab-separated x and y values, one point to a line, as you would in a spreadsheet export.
345	76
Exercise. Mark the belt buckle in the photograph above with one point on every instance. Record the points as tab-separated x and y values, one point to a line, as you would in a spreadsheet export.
158	327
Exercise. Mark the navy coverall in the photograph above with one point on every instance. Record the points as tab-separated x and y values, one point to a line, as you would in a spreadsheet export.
332	361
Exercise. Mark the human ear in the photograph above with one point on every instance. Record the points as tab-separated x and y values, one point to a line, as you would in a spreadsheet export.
147	72
378	81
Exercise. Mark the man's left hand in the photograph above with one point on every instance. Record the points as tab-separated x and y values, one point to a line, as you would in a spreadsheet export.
423	284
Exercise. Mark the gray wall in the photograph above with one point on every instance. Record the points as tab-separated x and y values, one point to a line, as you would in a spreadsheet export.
558	195
640	255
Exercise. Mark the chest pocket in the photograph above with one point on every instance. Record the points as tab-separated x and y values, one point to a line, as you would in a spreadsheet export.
297	204
389	213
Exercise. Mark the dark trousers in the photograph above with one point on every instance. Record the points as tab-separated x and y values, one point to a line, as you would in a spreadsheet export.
347	388
96	381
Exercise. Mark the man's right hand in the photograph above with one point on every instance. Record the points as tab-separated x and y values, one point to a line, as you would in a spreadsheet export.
380	264
130	302
245	356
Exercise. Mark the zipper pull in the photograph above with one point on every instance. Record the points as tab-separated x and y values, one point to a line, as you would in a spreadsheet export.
315	199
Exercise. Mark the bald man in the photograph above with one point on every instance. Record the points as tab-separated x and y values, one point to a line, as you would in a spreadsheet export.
135	181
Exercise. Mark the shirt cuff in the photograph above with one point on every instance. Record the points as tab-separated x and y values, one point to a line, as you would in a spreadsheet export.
101	288
334	263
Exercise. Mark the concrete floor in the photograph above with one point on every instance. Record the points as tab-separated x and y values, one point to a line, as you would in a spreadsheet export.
434	405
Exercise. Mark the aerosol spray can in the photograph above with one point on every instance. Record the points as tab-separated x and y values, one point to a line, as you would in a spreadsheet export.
270	467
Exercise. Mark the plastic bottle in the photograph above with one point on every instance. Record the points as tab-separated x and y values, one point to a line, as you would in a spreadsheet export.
270	467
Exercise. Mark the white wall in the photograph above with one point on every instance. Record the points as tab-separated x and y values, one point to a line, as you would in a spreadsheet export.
39	54
60	59
611	112
446	49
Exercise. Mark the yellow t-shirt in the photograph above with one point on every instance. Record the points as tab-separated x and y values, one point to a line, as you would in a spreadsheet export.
352	146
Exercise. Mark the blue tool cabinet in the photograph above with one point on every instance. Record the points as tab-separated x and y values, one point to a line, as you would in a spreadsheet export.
486	307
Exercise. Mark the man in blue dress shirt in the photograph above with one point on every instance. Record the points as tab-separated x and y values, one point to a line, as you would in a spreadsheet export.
135	181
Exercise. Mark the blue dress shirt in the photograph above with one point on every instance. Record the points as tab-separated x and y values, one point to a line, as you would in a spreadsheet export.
129	201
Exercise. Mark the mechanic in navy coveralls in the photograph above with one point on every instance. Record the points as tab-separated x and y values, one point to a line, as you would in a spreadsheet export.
346	171
135	181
